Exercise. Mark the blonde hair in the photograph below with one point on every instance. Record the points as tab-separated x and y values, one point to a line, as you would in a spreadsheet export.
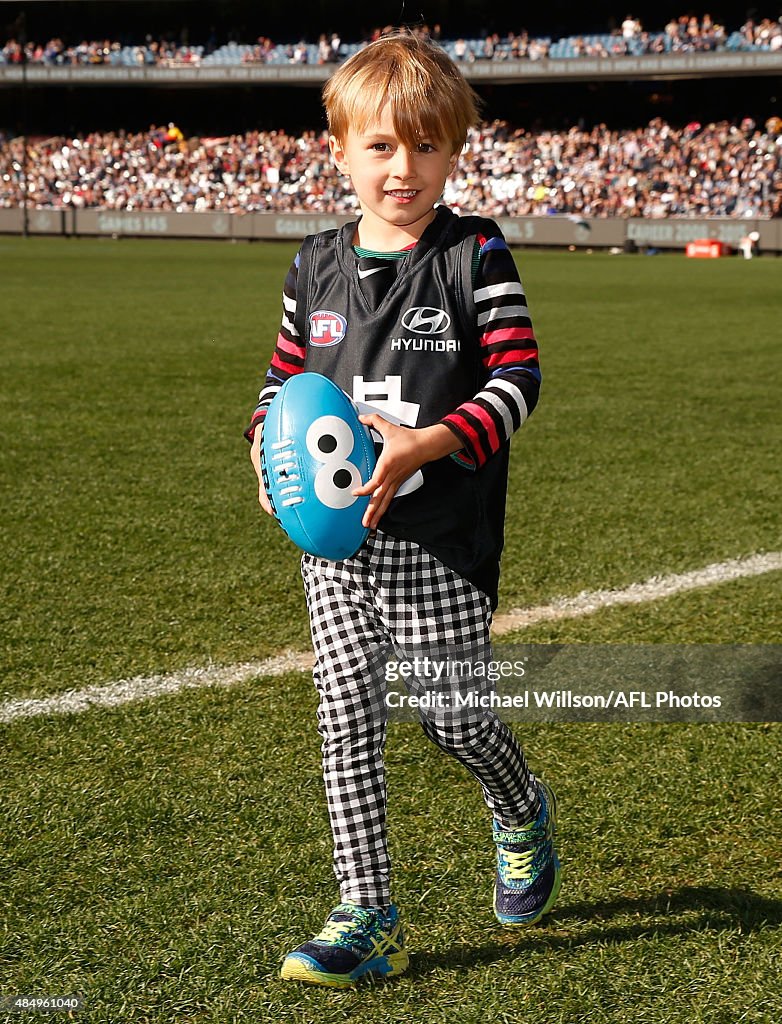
429	97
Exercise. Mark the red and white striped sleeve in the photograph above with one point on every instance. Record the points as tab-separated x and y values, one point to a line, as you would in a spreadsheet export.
289	352
509	354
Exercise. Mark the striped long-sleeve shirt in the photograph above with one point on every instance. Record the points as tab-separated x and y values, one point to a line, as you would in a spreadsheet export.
509	354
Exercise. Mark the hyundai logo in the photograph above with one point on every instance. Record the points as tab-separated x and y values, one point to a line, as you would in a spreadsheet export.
426	320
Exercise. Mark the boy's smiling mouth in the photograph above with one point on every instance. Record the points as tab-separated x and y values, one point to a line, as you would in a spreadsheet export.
403	193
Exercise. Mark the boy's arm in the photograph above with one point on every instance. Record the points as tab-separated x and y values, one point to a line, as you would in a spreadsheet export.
288	359
404	451
289	352
509	353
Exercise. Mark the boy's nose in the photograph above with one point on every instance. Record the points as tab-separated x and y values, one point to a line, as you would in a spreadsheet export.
403	164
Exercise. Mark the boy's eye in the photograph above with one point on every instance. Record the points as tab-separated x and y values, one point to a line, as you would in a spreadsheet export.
385	147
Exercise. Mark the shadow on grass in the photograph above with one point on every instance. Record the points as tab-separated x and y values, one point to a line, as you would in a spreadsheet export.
676	912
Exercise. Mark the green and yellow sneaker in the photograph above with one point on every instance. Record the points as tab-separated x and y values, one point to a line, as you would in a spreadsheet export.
528	874
355	942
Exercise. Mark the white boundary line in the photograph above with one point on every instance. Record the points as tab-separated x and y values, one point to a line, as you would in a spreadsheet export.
653	589
123	691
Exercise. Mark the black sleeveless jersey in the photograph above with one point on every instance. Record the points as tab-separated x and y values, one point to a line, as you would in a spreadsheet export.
414	359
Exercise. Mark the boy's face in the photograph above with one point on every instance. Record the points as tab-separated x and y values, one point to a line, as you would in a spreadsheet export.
397	187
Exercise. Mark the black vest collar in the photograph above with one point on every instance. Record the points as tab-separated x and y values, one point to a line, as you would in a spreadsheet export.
431	241
443	222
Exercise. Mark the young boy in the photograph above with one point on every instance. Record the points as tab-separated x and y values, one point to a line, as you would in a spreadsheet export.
436	337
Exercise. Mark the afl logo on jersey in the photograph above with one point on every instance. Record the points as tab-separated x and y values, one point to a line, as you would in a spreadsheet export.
327	328
426	320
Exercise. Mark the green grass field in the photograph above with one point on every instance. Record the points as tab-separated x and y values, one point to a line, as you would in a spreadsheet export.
162	857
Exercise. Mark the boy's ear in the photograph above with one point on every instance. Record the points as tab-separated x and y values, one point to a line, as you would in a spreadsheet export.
454	161
338	153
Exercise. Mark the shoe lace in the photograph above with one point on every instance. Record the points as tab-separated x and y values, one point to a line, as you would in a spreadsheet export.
518	863
333	931
518	858
352	927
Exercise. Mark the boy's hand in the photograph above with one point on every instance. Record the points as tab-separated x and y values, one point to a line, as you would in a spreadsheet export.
255	458
405	450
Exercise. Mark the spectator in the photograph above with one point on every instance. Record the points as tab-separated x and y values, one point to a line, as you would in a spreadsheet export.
631	27
685	33
717	169
460	49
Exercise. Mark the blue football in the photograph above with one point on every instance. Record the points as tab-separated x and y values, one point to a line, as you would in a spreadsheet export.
314	453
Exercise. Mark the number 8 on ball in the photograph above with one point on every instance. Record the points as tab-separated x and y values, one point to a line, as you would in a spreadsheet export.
314	453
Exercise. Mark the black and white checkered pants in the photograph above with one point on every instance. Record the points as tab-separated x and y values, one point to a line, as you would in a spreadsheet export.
395	598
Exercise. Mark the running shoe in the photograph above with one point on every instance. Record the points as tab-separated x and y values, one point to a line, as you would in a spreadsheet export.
528	874
355	942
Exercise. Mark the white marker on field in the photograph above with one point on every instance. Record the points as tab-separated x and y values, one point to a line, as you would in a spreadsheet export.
124	691
654	589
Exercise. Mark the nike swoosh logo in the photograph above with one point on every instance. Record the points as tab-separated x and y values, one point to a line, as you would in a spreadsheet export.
367	273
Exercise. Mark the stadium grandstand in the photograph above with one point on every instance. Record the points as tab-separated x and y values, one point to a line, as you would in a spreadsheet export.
656	171
595	114
685	34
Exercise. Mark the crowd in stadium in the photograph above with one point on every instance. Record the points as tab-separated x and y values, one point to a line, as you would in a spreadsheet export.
684	34
701	170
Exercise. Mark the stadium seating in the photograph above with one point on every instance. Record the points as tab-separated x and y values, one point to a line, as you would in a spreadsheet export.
503	172
765	34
